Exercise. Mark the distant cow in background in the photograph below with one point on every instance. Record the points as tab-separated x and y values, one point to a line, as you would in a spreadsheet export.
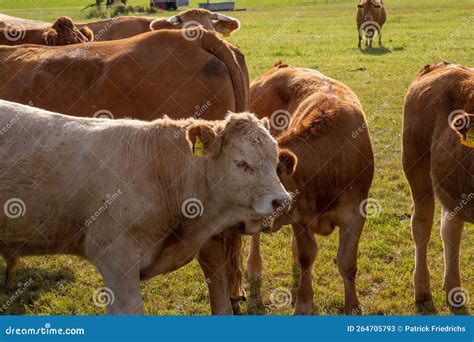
371	16
62	32
193	17
438	160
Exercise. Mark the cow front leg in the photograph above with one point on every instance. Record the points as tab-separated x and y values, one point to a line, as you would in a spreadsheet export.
360	41
307	249
211	258
349	235
380	38
451	231
118	262
254	272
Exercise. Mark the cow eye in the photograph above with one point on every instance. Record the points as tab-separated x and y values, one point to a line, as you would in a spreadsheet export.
244	166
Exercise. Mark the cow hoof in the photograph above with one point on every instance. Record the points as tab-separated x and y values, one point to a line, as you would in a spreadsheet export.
353	310
256	308
303	309
235	302
422	298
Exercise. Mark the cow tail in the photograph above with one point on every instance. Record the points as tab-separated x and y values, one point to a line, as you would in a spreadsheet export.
235	63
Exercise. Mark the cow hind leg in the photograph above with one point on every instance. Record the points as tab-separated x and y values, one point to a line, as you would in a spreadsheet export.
451	230
12	266
307	250
421	224
349	234
254	273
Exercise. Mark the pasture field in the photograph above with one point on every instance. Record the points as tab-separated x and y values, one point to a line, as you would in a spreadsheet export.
322	36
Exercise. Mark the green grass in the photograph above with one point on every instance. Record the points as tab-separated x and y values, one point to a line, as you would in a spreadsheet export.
323	37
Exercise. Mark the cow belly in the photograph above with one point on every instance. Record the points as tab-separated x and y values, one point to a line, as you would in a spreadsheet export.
453	182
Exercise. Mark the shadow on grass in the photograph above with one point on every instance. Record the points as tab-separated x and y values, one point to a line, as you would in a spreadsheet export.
30	283
376	51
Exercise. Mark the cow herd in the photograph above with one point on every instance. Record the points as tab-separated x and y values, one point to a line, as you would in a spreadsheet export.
199	156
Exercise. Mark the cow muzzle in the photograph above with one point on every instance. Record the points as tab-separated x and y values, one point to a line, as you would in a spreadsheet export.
273	204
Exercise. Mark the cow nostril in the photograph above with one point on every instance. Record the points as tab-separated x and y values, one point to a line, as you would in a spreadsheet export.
276	203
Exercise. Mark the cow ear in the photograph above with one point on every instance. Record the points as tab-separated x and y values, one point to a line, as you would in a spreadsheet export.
161	24
50	37
227	27
87	32
287	162
203	140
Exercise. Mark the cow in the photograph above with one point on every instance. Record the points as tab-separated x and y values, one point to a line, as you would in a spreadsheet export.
118	27
197	16
132	197
371	16
62	32
438	161
322	122
143	77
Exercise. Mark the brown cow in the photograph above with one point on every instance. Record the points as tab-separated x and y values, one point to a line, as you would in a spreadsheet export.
162	205
63	32
194	17
438	161
322	122
371	16
143	77
119	27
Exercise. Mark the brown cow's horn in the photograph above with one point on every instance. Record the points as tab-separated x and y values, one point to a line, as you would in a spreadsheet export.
174	19
221	17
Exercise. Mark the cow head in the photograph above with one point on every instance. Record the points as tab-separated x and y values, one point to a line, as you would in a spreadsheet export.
242	160
463	125
369	9
198	17
64	32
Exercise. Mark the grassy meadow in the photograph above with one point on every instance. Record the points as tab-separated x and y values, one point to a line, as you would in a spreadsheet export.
322	36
